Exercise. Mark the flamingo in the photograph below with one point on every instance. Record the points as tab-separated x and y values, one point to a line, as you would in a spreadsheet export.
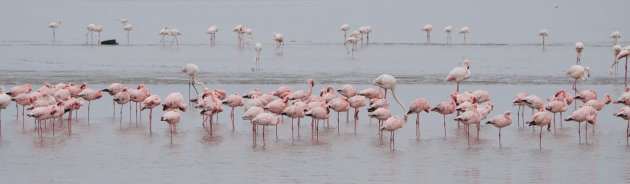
624	53
212	31
5	100
615	35
171	117
598	105
615	64
624	98
239	30
53	26
556	106
586	95
470	117
90	30
123	21
624	113
465	30
138	96
367	30
543	33
175	33
351	40
428	28
72	104
250	114
123	98
279	39
317	113
344	28
295	111
518	101
112	90
340	105
459	74
127	27
250	35
501	121
356	102
347	91
163	33
41	113
371	93
149	103
98	29
258	49
416	107
448	30
301	94
252	93
282	91
174	101
445	108
233	101
392	124
267	119
579	47
192	70
583	114
578	72
541	118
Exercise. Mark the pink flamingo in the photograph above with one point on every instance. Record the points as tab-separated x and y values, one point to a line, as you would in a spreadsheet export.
295	111
267	119
174	101
351	40
624	98
556	106
615	64
123	98
15	91
138	96
416	107
586	95
381	114
598	105
371	93
41	113
583	114
329	94
501	121
386	82
250	114
615	35
624	113
212	31
356	102
344	28
347	91
468	118
279	39
113	89
171	117
340	105
89	94
62	95
282	91
251	93
277	106
23	100
624	53
543	33
301	94
448	30
459	74
541	118
5	100
445	108
533	102
75	90
392	124
428	28
233	101
465	31
149	103
192	70
317	113
210	105
579	47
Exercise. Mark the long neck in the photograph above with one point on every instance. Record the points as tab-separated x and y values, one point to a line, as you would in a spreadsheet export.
399	102
310	89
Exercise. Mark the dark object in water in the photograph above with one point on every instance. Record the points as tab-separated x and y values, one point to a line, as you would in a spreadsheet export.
109	42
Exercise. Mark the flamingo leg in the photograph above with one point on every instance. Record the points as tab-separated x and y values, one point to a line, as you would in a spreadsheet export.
499	137
444	125
540	138
151	120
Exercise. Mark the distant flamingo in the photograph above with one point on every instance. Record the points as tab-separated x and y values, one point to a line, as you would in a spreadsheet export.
171	117
501	121
428	28
98	31
90	30
279	39
89	95
175	33
541	118
578	72
192	70
250	35
163	33
579	47
149	103
212	31
459	74
5	100
416	107
258	49
392	124
53	26
267	119
239	30
465	30
367	31
583	114
445	108
302	94
615	35
624	113
448	30
344	28
543	33
127	28
233	101
351	40
615	64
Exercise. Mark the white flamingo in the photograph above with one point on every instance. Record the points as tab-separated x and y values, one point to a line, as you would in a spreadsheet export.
212	31
449	30
428	28
465	30
54	25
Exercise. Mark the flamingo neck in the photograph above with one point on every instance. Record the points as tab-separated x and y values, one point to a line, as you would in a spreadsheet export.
400	103
310	89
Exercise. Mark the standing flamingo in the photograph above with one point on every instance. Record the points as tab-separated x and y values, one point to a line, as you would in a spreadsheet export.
579	47
465	30
212	31
53	26
416	107
89	95
279	39
174	101
239	30
98	29
518	101
541	118
392	124
233	101
5	100
123	98
149	103
356	102
615	35
448	30
578	72
598	105
250	114
192	70
543	33
624	113
351	40
470	117
175	33
250	35
301	94
127	28
624	53
163	33
386	82
459	74
317	113
347	90
258	49
501	121
171	117
616	50
138	96
556	106
267	119
428	28
583	114
445	108
296	110
112	90
16	91
344	28
90	30
340	105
